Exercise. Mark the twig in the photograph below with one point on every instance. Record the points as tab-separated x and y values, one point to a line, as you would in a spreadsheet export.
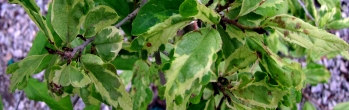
259	30
313	101
227	4
19	100
75	101
159	62
306	11
131	15
70	55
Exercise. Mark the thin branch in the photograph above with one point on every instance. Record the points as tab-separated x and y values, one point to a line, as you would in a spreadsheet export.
131	15
159	62
305	9
79	48
227	4
19	100
259	30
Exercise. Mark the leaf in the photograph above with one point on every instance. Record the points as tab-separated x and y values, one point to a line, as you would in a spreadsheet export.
27	67
33	11
120	62
251	19
341	106
234	10
143	77
229	44
192	8
69	75
249	5
239	59
39	44
190	65
285	74
92	107
301	33
108	43
309	106
153	13
67	16
12	68
120	6
98	18
255	93
316	73
107	83
168	30
271	8
38	91
1	104
338	24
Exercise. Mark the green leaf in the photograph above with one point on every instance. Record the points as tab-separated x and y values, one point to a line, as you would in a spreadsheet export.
301	33
190	65
108	43
92	107
39	44
229	44
264	95
12	68
272	7
239	59
1	104
143	77
192	8
69	75
153	13
33	11
234	10
120	6
27	67
338	24
98	18
309	106
120	61
38	91
249	5
316	73
285	74
107	83
67	16
341	106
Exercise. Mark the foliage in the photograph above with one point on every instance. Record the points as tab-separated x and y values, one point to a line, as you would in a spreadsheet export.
233	58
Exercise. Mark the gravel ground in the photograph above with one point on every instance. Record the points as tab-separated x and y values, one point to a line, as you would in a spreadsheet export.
17	32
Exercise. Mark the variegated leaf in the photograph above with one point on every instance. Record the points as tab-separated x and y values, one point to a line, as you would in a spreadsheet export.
301	33
193	58
26	68
192	8
107	83
143	76
69	75
239	59
108	43
98	18
67	16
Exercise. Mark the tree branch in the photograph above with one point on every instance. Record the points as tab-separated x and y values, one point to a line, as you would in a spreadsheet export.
159	62
259	30
306	11
70	55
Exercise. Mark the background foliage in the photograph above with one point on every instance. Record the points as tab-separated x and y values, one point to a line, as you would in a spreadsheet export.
233	58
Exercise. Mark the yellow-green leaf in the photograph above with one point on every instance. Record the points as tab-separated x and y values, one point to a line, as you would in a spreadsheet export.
192	8
107	83
190	65
98	18
108	43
